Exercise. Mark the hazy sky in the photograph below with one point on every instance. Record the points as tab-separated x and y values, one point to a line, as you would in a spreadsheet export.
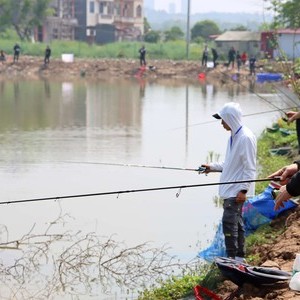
198	6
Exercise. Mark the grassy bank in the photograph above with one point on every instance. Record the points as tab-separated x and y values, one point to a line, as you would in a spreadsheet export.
175	50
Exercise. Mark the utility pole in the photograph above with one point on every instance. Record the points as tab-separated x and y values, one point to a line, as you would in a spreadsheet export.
188	29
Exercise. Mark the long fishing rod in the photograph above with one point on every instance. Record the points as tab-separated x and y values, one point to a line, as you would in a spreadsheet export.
246	115
180	187
287	95
258	95
131	165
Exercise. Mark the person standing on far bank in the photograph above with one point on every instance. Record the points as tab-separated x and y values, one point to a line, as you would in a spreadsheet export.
215	56
231	57
252	62
142	52
239	165
17	50
205	56
47	55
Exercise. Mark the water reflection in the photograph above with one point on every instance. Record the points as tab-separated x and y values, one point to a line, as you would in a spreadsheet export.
45	124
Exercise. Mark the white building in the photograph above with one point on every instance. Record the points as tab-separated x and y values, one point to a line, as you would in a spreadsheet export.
104	21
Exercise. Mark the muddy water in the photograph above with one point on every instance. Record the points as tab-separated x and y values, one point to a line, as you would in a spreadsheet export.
53	135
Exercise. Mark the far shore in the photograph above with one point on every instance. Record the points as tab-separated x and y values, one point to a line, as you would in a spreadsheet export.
30	67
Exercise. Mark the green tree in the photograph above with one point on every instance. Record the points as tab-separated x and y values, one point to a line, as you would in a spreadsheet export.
175	33
204	29
286	13
152	36
290	13
23	15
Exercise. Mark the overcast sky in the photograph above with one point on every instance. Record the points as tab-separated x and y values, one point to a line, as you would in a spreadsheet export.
198	6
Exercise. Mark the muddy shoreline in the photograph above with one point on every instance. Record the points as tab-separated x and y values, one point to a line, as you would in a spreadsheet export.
34	68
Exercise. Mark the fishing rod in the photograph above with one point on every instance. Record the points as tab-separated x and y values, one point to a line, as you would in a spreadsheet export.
133	165
246	115
180	187
258	95
287	95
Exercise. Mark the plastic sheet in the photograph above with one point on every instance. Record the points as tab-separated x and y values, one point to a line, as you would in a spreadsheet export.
257	211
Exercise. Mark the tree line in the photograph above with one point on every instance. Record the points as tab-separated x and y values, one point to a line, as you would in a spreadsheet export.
24	16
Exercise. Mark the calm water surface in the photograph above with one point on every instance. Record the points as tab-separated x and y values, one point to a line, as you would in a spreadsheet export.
52	133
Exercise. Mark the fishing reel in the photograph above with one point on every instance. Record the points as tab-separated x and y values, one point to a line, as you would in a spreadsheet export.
201	170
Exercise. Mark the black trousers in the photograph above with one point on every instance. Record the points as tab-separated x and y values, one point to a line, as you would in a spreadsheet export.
233	228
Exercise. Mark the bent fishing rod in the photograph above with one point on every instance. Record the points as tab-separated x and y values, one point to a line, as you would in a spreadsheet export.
132	165
179	187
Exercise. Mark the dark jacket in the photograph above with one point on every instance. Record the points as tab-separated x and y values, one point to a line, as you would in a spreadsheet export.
293	186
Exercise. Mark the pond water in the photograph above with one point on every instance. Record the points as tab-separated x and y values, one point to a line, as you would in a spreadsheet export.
53	134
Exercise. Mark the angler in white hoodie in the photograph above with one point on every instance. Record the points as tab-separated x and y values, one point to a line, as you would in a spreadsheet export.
239	165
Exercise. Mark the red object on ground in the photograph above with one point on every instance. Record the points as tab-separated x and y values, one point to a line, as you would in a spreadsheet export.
198	290
201	75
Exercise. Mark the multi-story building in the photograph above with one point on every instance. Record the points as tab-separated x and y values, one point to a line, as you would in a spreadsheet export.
61	25
99	21
104	21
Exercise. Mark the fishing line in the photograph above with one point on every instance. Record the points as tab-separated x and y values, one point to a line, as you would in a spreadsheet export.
129	165
286	94
179	187
258	95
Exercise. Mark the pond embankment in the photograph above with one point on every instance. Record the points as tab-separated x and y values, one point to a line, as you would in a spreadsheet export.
33	67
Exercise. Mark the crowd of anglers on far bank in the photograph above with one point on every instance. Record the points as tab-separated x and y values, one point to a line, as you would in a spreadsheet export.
235	58
17	51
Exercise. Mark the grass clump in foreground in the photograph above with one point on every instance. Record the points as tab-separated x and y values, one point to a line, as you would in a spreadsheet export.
209	276
172	288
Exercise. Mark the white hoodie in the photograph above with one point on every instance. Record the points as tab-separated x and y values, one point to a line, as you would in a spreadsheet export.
240	158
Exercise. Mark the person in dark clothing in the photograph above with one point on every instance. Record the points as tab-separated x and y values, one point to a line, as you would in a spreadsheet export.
47	55
205	56
142	52
252	62
2	56
17	50
238	60
290	181
231	57
215	56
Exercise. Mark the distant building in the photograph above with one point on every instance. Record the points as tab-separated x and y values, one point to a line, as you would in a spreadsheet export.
99	21
60	26
110	20
247	41
281	43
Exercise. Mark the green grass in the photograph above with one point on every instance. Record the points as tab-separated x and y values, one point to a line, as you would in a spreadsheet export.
173	50
267	162
173	288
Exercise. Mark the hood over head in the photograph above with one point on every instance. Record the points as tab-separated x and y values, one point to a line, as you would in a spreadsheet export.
231	113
